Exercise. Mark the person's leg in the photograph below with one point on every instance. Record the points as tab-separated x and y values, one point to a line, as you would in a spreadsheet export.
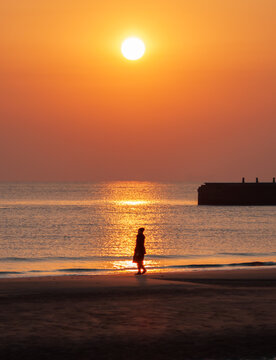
139	267
143	267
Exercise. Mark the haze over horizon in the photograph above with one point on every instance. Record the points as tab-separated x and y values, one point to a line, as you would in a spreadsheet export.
198	106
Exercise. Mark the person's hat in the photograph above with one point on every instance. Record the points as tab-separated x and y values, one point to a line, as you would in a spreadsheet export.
141	229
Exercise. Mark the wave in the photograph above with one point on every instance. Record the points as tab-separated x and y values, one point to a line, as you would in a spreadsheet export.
246	254
82	270
255	263
22	259
79	270
200	266
63	258
190	266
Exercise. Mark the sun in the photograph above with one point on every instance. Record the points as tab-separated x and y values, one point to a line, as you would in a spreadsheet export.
133	48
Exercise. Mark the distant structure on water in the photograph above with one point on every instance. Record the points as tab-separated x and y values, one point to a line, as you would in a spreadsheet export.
254	193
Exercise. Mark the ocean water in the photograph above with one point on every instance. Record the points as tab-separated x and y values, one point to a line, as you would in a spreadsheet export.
90	228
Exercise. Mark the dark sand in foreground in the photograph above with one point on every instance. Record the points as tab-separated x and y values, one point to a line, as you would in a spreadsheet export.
191	315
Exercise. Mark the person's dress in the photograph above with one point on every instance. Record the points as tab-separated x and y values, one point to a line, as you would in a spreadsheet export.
140	250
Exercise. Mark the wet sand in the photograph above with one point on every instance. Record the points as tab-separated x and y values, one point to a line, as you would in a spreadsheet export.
188	315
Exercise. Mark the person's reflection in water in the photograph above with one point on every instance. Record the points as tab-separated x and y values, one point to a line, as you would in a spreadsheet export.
140	252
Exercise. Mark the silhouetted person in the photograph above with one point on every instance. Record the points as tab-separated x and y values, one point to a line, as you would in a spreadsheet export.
140	251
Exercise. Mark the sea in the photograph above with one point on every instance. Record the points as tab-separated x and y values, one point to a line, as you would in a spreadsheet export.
90	228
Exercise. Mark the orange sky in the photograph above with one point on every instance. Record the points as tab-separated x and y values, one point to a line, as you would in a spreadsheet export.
200	105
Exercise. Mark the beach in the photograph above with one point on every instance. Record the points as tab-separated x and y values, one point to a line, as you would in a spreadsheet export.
184	315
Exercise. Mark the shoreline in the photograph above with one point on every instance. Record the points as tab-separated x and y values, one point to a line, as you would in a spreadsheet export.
161	271
78	271
213	314
214	272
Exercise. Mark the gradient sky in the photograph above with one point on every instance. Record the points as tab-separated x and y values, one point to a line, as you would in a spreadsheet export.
199	106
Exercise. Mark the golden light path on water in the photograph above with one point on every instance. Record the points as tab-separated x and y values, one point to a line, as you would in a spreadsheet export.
134	206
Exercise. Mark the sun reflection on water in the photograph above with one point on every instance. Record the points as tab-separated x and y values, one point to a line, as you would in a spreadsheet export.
132	205
132	202
129	266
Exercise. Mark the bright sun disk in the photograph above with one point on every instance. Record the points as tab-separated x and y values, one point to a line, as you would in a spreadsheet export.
133	48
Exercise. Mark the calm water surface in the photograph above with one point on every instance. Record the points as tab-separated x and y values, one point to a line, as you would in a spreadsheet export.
62	228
